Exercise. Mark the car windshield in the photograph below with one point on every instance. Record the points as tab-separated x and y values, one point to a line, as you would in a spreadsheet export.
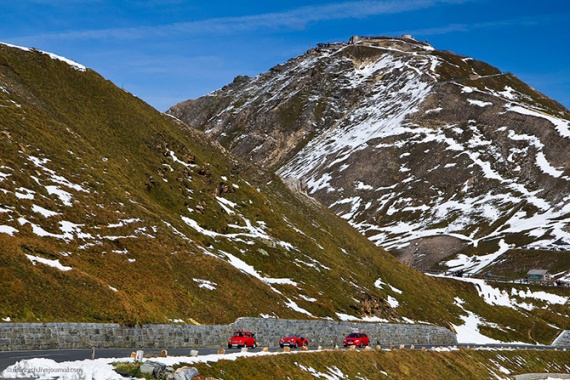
353	335
238	334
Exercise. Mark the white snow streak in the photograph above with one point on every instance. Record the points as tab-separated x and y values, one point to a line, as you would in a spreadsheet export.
52	263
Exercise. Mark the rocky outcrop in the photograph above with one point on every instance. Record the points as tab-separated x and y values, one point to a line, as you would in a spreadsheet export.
372	306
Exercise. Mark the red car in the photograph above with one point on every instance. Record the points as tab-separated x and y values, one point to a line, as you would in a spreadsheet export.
293	340
242	338
359	339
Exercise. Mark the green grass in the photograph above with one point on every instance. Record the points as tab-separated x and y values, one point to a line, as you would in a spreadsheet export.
516	263
131	369
397	364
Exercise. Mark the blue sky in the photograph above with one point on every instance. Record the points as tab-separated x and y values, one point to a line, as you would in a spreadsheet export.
166	51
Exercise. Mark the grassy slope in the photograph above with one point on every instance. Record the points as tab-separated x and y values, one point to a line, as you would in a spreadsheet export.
118	149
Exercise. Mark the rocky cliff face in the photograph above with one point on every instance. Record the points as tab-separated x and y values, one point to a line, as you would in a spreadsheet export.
442	159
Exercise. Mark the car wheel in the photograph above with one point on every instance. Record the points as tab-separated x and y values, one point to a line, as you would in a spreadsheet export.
281	345
229	346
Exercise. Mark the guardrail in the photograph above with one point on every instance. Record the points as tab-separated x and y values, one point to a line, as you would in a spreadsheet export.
493	278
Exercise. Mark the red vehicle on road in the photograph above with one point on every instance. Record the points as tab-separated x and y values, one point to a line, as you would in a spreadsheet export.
293	340
242	338
358	339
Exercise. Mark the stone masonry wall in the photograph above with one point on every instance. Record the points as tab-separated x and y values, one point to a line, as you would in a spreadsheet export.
563	339
28	336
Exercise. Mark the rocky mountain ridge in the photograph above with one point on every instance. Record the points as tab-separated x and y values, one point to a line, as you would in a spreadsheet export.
444	160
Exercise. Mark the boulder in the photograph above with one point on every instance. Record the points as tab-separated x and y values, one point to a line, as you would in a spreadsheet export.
185	373
156	369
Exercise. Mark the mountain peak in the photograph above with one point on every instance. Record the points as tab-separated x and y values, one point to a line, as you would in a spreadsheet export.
408	144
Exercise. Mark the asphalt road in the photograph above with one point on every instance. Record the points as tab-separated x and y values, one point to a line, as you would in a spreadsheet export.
8	358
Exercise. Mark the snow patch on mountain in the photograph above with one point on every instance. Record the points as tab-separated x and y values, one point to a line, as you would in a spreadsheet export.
562	126
474	264
468	332
502	297
205	284
9	230
52	263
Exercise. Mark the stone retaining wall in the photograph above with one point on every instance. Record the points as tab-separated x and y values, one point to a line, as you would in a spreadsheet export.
542	376
35	336
563	339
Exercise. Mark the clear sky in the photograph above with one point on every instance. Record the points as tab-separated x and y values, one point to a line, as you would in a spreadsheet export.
166	51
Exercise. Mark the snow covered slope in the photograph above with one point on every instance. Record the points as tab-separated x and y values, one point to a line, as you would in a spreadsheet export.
427	153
